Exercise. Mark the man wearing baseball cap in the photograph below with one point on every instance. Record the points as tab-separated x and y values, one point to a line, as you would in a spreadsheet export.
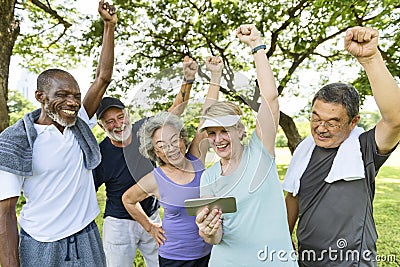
121	167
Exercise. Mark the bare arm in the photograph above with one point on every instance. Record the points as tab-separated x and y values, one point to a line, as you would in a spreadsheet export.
145	187
268	113
8	233
189	71
106	62
292	207
199	146
362	43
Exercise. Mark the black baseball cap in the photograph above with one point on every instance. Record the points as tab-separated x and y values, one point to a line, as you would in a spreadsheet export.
108	102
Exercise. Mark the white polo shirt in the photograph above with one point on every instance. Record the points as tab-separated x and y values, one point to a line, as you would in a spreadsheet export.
60	196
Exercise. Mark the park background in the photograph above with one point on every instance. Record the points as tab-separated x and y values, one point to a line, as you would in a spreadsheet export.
304	46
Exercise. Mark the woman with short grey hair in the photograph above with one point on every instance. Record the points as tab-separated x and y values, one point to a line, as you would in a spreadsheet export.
146	133
164	139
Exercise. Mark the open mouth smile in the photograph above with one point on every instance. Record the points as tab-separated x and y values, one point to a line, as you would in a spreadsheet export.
69	112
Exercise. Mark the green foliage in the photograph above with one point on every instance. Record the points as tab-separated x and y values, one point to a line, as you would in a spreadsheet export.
152	37
281	140
158	34
303	127
18	106
191	118
369	119
52	37
98	133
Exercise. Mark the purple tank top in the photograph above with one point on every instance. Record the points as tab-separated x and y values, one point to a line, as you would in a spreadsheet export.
183	240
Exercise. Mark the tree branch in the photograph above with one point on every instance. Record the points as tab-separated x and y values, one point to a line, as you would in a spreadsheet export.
47	8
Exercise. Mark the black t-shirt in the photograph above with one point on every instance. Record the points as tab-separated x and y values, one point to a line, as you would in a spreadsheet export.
313	177
336	224
120	168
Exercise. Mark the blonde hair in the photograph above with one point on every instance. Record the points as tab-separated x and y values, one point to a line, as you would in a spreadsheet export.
223	108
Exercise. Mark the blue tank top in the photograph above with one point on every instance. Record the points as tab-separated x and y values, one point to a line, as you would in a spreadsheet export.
182	234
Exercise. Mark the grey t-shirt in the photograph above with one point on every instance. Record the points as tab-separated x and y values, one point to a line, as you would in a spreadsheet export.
336	225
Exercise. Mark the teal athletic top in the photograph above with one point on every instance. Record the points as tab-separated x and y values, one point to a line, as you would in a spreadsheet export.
257	234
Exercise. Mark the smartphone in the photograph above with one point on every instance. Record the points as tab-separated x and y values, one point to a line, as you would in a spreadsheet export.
225	204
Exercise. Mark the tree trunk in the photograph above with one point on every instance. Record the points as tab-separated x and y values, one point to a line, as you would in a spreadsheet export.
290	130
9	30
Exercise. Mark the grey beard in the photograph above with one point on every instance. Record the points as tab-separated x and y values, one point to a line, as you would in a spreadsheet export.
55	117
127	131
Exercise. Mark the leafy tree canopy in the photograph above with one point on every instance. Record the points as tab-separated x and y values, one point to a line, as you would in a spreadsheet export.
153	37
18	106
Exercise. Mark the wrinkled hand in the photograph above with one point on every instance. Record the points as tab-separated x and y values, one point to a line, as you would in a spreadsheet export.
215	65
157	232
361	42
189	68
107	12
209	222
249	35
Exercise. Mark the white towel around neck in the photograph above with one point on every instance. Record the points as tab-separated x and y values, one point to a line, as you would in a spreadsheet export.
347	164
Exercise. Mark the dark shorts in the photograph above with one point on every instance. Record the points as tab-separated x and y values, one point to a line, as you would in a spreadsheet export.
83	248
201	262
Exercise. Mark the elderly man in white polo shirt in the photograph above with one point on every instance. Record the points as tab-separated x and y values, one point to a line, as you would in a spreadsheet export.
49	155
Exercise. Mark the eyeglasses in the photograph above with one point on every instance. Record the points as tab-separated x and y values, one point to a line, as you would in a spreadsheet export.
327	124
165	145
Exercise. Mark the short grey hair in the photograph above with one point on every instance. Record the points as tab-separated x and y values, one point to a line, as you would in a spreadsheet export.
340	93
46	78
154	123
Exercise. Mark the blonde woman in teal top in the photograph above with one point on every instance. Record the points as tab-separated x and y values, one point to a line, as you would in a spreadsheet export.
257	234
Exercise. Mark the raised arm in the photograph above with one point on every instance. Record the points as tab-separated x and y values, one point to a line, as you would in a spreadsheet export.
106	62
215	66
145	187
189	73
8	233
268	113
362	43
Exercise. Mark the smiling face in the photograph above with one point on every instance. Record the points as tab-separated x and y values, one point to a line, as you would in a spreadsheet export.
62	101
330	124
225	141
168	145
116	123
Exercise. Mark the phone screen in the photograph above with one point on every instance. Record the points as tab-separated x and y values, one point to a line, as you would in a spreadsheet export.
225	204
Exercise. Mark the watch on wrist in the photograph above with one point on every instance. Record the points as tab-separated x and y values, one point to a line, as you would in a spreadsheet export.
259	47
191	81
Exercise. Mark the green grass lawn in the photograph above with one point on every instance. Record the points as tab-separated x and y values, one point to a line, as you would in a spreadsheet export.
387	214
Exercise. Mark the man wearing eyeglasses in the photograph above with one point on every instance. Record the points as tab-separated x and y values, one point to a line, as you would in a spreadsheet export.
121	167
331	178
